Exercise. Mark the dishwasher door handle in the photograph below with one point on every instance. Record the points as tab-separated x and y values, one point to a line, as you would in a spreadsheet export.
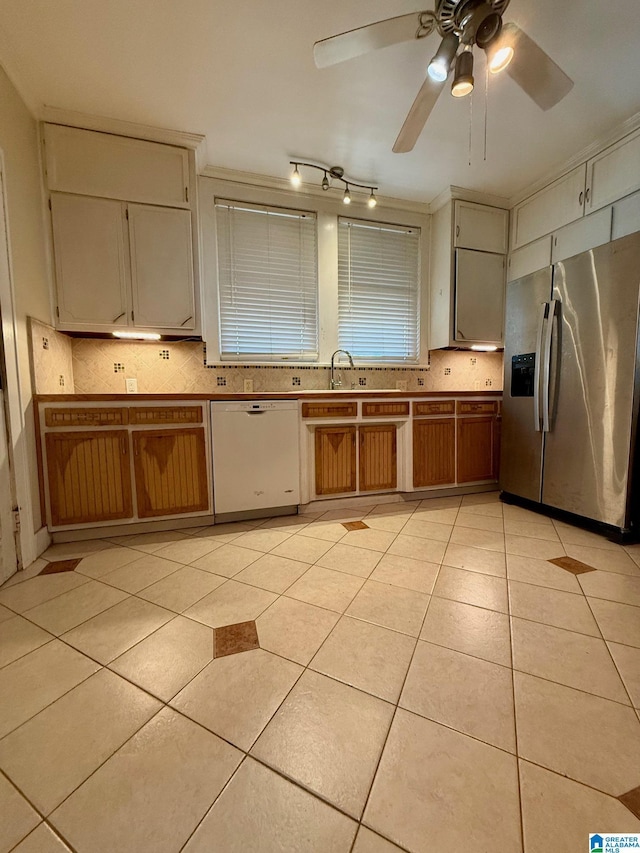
256	412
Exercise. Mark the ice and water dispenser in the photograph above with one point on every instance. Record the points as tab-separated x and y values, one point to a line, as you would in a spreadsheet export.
523	368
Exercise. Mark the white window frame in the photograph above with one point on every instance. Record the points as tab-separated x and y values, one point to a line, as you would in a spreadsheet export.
327	211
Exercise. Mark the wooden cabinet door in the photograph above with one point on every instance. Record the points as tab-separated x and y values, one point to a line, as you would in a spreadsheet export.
434	451
378	457
91	261
89	476
475	449
171	471
161	267
478	226
335	459
480	290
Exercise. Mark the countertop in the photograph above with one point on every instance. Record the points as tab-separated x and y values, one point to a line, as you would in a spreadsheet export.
281	395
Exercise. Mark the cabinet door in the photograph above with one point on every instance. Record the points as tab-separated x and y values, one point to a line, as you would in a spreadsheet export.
434	451
378	457
480	284
580	236
335	459
478	226
551	208
111	166
614	173
531	258
91	261
89	476
475	449
171	471
161	267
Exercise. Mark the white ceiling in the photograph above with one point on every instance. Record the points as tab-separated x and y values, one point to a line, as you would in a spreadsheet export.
242	73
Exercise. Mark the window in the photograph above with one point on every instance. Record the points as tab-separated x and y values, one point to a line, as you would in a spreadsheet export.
267	283
378	291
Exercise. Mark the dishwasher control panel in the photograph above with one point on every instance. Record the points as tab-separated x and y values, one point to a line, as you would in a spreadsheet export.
255	406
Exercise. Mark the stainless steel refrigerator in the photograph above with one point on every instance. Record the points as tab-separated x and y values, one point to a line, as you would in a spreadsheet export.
572	384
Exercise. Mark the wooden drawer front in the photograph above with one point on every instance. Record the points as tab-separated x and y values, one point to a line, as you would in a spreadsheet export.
335	460
378	457
150	415
329	410
171	471
435	407
434	452
89	476
85	417
477	407
375	410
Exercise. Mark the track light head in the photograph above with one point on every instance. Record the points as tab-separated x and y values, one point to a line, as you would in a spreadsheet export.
296	180
346	198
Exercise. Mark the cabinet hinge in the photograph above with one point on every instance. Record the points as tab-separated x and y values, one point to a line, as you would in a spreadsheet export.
16	519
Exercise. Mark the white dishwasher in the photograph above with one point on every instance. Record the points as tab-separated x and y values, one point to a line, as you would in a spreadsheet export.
256	462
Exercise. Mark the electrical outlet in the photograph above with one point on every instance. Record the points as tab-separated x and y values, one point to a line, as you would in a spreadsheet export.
401	385
131	385
248	386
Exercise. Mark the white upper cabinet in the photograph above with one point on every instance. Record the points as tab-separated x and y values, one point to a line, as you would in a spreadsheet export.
580	236
91	260
556	205
477	226
613	173
626	216
530	258
479	308
161	267
110	166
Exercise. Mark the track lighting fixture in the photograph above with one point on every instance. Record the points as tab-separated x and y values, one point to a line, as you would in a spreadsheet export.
336	173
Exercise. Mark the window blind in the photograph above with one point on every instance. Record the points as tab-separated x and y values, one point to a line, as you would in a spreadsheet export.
267	282
379	291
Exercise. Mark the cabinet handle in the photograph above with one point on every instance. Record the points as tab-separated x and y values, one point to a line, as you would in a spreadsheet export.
457	230
123	445
118	317
580	197
184	322
460	335
586	198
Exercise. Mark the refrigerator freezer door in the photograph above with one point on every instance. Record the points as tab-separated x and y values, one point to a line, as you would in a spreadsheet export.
521	457
587	450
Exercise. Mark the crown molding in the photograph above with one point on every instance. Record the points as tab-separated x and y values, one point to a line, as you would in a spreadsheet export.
599	144
194	141
452	193
275	183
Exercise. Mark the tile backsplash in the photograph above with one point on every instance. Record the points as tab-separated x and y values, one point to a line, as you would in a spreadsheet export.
101	366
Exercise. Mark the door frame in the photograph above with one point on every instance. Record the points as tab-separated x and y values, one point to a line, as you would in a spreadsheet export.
26	548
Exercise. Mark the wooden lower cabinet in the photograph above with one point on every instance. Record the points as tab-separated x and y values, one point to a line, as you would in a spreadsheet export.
171	471
434	451
335	459
476	449
378	457
89	476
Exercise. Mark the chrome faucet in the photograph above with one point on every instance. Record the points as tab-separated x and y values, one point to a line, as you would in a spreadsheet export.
336	383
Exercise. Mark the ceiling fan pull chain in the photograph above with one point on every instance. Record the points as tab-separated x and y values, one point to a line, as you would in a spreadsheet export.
470	124
486	107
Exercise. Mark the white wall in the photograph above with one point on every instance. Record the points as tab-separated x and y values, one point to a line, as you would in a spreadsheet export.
19	144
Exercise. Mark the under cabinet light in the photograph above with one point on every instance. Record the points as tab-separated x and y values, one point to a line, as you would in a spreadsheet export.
137	336
484	348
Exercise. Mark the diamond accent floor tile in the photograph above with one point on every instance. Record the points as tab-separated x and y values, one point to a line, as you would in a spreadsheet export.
233	639
57	566
355	525
632	801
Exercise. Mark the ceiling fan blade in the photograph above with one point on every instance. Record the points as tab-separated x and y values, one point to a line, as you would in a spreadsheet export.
418	114
534	70
381	34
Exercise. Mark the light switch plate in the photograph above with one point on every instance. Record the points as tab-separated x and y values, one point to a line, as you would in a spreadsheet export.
248	386
132	386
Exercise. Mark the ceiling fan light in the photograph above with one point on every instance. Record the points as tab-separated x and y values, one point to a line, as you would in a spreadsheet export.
463	80
440	65
500	58
296	180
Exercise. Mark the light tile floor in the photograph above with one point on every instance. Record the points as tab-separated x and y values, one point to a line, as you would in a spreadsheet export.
429	683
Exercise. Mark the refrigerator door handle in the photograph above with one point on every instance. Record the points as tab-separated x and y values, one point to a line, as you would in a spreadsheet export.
546	363
536	374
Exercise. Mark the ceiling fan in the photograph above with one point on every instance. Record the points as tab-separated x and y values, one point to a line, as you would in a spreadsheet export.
462	25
